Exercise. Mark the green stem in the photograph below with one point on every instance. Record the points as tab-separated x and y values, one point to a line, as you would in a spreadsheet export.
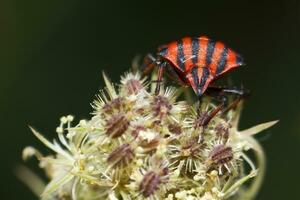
261	162
30	179
237	184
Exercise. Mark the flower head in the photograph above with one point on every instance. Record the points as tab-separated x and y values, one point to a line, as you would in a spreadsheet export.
138	145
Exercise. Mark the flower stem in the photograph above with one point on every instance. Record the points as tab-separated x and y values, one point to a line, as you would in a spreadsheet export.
261	162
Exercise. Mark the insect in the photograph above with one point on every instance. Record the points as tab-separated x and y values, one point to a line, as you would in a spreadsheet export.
196	62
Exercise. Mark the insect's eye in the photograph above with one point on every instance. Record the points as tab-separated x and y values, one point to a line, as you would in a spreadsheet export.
163	50
158	60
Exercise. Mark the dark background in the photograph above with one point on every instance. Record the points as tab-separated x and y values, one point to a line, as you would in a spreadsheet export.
52	54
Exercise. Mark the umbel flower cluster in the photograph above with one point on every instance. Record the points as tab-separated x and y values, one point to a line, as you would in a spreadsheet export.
139	145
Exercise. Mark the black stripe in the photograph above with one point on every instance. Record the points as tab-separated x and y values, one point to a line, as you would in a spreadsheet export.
222	61
195	50
180	55
195	76
204	78
209	51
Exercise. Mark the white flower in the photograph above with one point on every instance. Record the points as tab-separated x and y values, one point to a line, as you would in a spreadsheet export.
138	145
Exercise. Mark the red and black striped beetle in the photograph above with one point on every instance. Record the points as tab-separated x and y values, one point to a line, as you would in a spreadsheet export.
196	62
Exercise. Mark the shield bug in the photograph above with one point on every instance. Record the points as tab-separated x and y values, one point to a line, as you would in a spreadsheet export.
197	62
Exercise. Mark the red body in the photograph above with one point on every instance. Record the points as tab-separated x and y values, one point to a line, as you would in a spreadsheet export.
199	61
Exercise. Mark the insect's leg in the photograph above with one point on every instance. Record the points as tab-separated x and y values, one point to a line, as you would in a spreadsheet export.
135	63
221	95
161	69
238	93
204	119
149	63
222	90
199	106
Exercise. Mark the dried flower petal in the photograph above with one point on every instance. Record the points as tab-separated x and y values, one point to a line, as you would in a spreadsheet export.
149	183
115	105
161	106
221	154
117	125
121	156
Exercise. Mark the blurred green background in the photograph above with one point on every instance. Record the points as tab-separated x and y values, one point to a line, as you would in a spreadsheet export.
52	54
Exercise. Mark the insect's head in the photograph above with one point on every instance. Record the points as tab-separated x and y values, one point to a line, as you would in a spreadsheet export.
159	60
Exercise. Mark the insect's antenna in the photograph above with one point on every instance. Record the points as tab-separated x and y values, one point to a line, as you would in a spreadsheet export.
135	64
